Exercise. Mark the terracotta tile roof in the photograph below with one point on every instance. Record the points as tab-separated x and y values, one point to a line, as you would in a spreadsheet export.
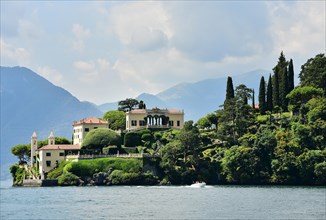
91	120
60	147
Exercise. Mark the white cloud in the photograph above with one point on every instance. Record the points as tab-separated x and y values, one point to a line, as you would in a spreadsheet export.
91	72
128	18
50	74
81	35
299	27
18	55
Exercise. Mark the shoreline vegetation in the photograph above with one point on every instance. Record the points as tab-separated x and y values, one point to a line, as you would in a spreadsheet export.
280	141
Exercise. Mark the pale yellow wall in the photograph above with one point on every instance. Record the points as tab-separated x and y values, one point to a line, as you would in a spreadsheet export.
175	118
79	131
53	158
138	117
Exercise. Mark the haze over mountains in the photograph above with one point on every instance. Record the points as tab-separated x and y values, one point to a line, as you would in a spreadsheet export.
31	103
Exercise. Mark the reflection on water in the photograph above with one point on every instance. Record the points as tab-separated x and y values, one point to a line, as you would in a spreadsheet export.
163	202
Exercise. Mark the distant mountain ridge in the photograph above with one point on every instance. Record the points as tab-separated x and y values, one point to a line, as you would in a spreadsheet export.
199	98
31	103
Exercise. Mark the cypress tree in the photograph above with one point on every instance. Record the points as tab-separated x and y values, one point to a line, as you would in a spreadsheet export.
262	96
253	98
284	90
229	91
291	76
276	90
269	104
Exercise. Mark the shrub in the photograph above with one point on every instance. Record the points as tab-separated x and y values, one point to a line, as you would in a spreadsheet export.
87	168
17	174
101	137
54	174
132	139
68	179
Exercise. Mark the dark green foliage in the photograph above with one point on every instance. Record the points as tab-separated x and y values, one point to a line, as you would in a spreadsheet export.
127	104
276	90
99	138
269	95
116	119
253	99
229	90
86	168
22	151
54	174
320	173
313	72
68	179
301	95
119	177
141	105
132	139
291	76
18	173
262	96
284	90
239	165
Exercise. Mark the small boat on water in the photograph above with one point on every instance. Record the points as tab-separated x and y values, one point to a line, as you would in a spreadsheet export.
198	184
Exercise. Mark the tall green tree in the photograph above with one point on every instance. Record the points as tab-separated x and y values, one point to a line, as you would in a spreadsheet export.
262	96
22	151
127	104
276	90
284	90
229	90
291	76
253	99
313	72
116	119
269	95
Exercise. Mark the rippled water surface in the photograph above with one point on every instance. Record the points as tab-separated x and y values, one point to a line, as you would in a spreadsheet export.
122	202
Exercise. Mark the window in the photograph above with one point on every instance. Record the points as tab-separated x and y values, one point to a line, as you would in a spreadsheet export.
95	127
171	123
86	129
133	123
178	123
48	154
61	154
56	162
48	163
142	123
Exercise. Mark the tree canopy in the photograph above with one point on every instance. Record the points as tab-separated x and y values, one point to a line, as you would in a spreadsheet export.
116	119
99	138
313	72
128	104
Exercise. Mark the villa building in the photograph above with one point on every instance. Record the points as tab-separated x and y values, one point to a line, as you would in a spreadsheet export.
49	156
154	118
82	127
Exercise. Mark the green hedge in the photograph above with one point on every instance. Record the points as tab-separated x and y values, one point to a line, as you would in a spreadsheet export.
132	139
54	174
68	179
87	168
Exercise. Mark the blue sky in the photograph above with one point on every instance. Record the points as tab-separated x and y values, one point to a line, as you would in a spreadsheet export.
104	51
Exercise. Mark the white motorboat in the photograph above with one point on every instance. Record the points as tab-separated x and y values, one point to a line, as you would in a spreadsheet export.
198	184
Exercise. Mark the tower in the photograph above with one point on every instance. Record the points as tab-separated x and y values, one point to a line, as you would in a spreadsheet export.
33	147
51	139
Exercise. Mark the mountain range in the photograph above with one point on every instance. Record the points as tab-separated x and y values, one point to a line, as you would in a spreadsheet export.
31	103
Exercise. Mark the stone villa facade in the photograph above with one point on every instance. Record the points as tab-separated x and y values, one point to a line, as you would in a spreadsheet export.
154	118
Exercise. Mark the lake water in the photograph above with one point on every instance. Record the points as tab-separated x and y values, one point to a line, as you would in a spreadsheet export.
160	202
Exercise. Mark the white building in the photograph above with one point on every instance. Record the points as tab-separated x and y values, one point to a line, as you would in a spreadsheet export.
49	156
154	118
82	127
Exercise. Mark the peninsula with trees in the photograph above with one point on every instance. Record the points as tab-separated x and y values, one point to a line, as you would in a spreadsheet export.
278	139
